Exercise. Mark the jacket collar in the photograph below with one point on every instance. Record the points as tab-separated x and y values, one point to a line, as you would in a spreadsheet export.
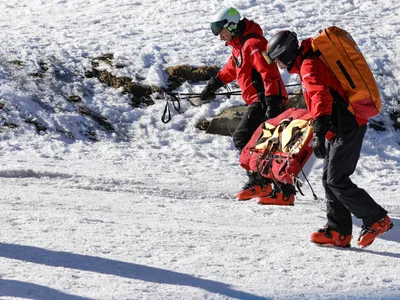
245	27
305	49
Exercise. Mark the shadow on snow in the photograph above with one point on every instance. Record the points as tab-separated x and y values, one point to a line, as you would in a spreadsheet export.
19	289
111	267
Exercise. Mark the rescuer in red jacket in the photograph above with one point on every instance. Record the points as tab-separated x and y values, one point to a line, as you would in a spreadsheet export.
327	104
261	84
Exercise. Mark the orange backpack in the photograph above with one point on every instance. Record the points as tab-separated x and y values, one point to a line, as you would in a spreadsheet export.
337	49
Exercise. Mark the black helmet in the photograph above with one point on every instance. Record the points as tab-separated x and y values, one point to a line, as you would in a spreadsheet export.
283	46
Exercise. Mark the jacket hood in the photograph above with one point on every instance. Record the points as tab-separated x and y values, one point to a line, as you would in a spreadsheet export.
245	27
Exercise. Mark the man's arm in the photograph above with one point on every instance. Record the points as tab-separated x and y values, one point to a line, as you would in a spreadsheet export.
269	72
271	80
228	72
319	104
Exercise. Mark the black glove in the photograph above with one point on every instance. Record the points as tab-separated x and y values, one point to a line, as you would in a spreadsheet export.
321	126
273	104
208	93
318	145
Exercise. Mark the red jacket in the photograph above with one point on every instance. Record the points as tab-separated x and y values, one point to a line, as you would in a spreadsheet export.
322	91
249	60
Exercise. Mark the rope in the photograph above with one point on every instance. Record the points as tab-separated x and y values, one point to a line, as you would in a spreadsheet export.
175	103
293	84
175	98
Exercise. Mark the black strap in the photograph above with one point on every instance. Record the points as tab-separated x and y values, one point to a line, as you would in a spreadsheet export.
298	184
317	53
176	104
309	184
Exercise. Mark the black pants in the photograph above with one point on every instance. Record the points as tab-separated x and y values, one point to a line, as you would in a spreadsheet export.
253	117
344	197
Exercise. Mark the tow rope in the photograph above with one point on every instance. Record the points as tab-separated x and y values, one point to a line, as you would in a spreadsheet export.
176	97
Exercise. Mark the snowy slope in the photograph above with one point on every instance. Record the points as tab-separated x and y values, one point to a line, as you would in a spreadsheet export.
149	212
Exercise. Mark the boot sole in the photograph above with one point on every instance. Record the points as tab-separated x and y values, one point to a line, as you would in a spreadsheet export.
330	245
280	204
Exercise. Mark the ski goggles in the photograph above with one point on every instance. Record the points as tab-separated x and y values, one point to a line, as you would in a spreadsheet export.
276	54
270	60
216	27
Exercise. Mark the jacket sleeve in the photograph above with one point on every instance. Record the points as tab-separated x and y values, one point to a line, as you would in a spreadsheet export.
269	72
319	102
228	72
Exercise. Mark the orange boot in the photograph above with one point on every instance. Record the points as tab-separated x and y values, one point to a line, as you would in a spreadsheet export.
256	186
277	199
252	191
327	236
284	197
370	233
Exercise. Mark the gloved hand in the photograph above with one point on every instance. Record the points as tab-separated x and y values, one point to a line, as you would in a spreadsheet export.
318	145
321	126
273	106
208	93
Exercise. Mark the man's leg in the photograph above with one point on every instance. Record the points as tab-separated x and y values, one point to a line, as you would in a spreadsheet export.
250	121
339	217
344	153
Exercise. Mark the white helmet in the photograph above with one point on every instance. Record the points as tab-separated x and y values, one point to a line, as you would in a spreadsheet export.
226	18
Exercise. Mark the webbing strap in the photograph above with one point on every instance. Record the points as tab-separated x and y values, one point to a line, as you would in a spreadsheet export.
309	184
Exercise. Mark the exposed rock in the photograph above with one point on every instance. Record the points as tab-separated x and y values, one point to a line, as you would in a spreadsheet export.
84	110
182	73
42	71
37	75
74	99
226	122
17	63
89	74
203	125
10	125
43	66
140	93
39	126
106	58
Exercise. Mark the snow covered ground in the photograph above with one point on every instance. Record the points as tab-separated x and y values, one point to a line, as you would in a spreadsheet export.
149	212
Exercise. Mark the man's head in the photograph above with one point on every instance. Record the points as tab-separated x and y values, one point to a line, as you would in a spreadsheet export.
283	49
225	23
